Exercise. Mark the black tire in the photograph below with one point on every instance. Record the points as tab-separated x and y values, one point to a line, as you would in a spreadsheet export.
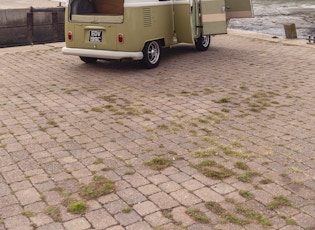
88	60
202	43
151	54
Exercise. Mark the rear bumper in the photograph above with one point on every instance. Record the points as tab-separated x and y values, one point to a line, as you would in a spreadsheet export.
103	54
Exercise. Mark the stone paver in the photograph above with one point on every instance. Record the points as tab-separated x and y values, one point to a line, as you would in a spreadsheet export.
244	110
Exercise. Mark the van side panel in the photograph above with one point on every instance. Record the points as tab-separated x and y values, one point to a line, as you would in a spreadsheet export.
142	24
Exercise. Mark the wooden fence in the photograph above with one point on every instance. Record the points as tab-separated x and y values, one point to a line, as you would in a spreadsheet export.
31	26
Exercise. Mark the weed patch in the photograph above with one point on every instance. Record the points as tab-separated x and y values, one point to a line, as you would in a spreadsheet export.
214	170
99	161
217	209
100	186
159	163
253	215
289	220
248	176
127	210
197	215
246	194
223	100
167	214
109	98
62	191
205	152
78	207
54	213
278	201
266	181
230	151
260	100
97	109
241	165
28	213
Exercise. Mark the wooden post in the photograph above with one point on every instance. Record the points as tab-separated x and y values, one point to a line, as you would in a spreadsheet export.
55	26
290	31
30	24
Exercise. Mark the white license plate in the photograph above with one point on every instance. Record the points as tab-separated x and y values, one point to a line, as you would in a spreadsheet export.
96	36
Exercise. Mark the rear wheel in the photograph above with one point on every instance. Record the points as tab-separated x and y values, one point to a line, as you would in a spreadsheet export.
88	59
151	54
203	42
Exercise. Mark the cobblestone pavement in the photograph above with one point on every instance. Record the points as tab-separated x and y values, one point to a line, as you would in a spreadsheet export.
234	127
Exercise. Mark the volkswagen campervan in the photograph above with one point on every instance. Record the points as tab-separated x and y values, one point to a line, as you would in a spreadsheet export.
138	29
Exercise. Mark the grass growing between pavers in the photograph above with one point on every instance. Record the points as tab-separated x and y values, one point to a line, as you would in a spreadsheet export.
159	163
53	211
62	191
279	201
288	220
127	209
99	186
77	207
261	100
217	209
74	206
197	215
213	169
167	214
253	215
204	153
241	165
28	213
247	194
248	176
243	216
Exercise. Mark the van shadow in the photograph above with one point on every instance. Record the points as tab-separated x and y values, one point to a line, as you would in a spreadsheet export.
167	55
183	55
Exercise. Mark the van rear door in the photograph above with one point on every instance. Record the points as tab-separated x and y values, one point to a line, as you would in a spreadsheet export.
238	9
213	17
216	13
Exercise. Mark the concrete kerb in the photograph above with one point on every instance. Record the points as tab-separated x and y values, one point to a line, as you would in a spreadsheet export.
271	38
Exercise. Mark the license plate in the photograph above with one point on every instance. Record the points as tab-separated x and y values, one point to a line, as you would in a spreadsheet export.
96	36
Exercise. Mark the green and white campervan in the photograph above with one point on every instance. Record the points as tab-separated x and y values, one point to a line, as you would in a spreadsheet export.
138	29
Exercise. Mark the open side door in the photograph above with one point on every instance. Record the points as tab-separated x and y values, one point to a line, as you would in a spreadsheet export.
213	17
183	22
238	9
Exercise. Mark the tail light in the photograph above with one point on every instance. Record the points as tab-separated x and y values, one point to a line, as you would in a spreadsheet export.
120	38
70	36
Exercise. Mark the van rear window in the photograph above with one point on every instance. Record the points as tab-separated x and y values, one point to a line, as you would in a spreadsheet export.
108	7
87	10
